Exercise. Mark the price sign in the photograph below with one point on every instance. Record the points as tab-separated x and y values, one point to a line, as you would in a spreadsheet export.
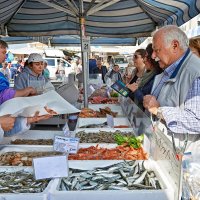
67	145
110	120
86	44
57	167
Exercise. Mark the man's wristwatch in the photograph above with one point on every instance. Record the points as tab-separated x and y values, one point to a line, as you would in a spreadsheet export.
159	113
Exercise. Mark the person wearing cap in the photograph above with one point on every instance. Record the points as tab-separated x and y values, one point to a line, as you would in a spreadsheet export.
32	75
11	125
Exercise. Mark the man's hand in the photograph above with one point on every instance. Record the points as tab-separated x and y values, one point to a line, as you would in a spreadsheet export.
151	104
133	87
7	122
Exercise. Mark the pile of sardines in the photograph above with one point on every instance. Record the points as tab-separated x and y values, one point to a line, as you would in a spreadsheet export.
126	175
21	182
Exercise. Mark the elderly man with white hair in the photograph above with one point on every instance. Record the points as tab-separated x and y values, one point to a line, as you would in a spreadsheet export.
175	95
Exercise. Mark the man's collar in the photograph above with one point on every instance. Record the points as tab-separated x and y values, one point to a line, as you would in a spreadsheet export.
169	70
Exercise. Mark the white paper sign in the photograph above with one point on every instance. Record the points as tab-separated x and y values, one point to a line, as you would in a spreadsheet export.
27	106
110	120
50	167
64	144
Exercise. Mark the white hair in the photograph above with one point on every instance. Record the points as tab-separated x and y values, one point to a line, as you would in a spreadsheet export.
172	32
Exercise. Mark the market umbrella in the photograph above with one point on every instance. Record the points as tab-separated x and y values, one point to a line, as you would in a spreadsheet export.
102	18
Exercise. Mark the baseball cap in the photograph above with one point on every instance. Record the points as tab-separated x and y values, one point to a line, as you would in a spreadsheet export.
35	57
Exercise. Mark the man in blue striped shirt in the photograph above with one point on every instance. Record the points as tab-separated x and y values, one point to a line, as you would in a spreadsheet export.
176	92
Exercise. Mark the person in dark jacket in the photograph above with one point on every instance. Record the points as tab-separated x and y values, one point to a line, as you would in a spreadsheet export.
100	69
92	65
139	90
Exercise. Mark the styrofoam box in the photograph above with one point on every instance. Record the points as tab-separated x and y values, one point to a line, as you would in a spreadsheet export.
166	193
32	135
23	196
113	107
87	121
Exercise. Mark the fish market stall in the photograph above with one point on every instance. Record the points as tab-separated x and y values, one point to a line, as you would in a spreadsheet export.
98	170
131	174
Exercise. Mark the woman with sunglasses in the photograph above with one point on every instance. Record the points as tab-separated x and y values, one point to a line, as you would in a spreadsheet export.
143	87
138	61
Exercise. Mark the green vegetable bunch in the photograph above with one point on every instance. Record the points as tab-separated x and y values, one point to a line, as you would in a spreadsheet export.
133	141
114	94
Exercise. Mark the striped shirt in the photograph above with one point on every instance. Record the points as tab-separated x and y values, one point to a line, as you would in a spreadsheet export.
187	120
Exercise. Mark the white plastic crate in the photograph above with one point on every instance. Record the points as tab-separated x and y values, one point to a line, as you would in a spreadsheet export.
166	193
24	196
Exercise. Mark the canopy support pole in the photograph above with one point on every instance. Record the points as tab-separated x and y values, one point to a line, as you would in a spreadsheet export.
84	54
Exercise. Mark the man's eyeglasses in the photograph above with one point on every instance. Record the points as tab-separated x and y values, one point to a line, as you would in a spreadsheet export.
136	56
